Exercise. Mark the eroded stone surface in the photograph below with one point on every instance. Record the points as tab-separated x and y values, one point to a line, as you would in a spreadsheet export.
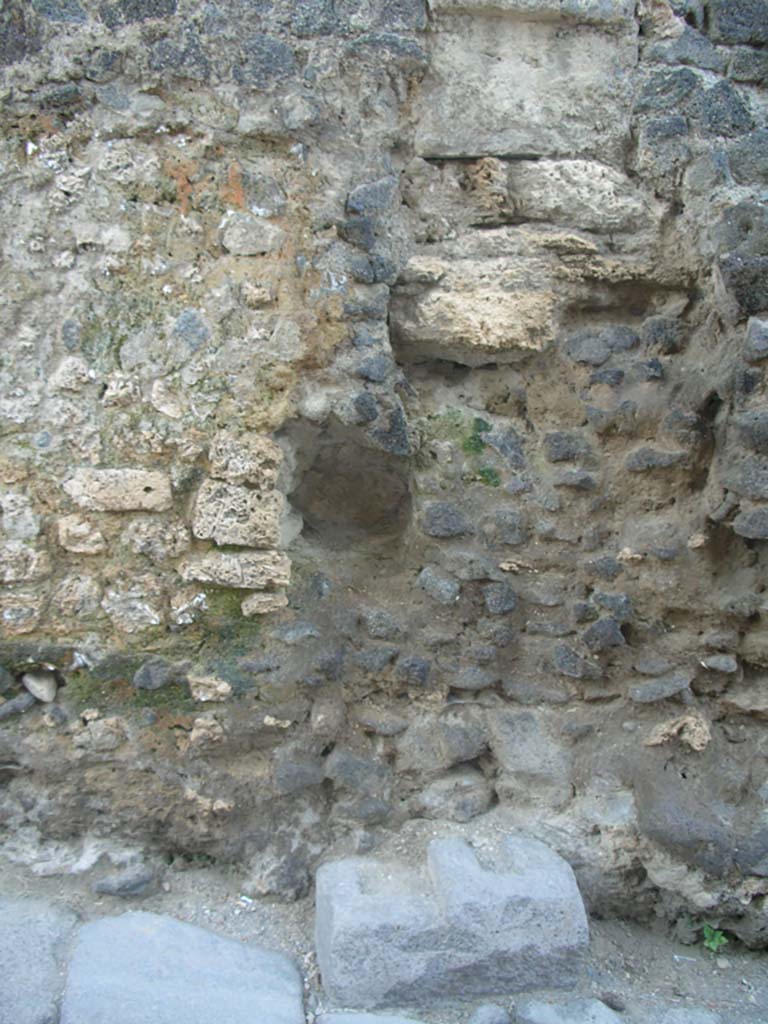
119	490
453	932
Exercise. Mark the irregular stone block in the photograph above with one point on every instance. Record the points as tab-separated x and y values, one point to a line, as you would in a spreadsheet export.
505	87
662	688
232	514
263	604
249	570
120	490
752	524
147	967
77	535
32	936
245	234
739	21
453	932
741	286
458	796
246	458
644	460
466	320
583	193
20	562
432	744
756	340
441	519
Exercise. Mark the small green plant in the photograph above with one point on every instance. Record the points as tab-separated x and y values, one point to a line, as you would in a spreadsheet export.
489	476
713	938
474	443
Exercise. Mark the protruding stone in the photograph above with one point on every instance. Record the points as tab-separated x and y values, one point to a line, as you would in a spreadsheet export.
263	604
120	490
77	535
249	570
41	684
208	688
245	458
457	930
231	514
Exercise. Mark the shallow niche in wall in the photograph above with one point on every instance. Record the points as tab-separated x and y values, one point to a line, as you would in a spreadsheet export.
349	494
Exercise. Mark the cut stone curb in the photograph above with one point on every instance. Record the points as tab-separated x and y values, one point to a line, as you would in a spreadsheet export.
151	969
33	936
388	935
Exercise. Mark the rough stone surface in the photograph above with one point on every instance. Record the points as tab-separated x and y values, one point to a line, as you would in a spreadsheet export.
460	309
158	969
119	490
251	571
453	932
34	940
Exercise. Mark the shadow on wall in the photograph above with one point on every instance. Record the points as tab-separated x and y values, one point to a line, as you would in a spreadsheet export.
347	492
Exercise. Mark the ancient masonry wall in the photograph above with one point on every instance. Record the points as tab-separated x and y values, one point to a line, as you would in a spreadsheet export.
384	434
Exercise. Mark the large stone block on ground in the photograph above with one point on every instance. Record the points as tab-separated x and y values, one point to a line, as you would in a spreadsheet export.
148	969
33	937
391	935
511	87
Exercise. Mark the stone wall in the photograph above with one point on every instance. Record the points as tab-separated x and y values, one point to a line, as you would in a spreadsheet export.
390	375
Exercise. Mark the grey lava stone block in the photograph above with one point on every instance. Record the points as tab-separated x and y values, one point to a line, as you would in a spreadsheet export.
32	940
457	930
149	969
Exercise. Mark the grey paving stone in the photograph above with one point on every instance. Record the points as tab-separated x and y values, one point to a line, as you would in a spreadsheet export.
143	968
33	938
391	935
576	1011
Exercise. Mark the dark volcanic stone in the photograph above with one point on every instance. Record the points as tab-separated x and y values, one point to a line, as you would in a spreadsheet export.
500	598
128	12
569	663
748	158
746	280
752	430
750	66
265	61
564	446
394	437
61	10
665	333
721	111
644	460
667	90
414	670
752	525
373	196
19	33
157	672
441	519
603	634
739	21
